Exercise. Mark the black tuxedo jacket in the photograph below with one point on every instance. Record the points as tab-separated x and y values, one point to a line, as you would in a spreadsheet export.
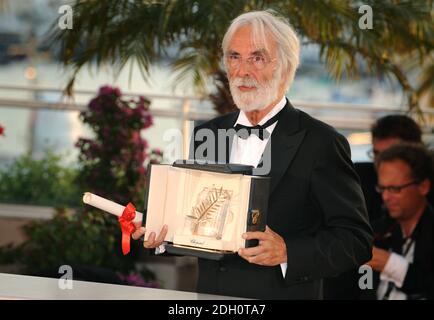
315	204
368	181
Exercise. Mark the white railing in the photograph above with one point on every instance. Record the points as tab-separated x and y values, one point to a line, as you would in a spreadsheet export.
339	115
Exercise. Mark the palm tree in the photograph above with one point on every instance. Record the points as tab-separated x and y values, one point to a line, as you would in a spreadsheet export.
117	31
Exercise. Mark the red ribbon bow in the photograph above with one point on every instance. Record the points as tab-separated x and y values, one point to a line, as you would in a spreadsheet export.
127	226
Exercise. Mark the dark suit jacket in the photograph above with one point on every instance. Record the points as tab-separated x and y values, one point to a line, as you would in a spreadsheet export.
419	280
315	204
368	181
345	286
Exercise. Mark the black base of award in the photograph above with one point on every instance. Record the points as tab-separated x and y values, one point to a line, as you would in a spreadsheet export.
198	252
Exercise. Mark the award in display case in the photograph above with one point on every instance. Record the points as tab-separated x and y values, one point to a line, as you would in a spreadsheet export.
207	207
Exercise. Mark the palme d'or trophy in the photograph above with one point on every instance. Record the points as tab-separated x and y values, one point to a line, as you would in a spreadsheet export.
207	207
208	216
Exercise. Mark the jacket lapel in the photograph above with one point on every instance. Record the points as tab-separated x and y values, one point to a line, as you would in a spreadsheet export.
285	140
227	124
423	235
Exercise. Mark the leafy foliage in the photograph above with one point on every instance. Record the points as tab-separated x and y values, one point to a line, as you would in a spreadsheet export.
400	43
39	182
72	240
110	165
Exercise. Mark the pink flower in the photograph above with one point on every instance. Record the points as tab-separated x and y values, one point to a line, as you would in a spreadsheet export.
2	131
128	111
105	90
117	92
135	279
108	90
142	171
136	137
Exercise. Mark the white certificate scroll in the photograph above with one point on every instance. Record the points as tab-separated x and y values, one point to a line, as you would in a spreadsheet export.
108	206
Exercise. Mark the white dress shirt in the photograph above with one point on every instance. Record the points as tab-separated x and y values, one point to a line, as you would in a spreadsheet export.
249	151
395	271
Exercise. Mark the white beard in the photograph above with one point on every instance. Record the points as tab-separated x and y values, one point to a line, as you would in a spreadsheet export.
257	99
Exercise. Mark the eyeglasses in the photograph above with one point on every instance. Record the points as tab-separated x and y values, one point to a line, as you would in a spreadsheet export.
395	189
256	61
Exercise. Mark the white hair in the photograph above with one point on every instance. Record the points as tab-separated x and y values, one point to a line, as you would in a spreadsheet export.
264	24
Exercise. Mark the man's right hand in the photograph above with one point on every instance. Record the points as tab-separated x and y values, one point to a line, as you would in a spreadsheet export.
153	241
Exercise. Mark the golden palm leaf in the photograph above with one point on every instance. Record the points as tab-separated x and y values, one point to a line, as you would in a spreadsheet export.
207	209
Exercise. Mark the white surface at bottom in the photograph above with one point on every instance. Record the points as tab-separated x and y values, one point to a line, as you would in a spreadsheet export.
28	287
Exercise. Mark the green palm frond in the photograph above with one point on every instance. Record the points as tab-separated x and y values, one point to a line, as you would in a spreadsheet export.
426	84
103	34
115	32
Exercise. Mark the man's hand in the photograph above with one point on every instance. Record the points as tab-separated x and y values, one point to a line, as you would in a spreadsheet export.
152	242
379	259
271	250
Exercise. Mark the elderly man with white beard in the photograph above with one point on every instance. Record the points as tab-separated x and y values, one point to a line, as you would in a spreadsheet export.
317	223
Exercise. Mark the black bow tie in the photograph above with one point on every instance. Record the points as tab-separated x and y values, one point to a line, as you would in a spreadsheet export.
259	130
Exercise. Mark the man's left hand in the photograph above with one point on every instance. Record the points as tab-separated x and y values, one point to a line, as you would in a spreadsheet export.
271	250
379	259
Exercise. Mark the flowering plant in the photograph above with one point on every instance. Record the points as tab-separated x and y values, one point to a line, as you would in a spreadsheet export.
112	163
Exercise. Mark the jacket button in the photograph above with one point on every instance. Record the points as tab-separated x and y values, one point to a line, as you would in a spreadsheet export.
222	269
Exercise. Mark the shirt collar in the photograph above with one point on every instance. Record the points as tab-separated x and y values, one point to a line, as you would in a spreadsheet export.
242	118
